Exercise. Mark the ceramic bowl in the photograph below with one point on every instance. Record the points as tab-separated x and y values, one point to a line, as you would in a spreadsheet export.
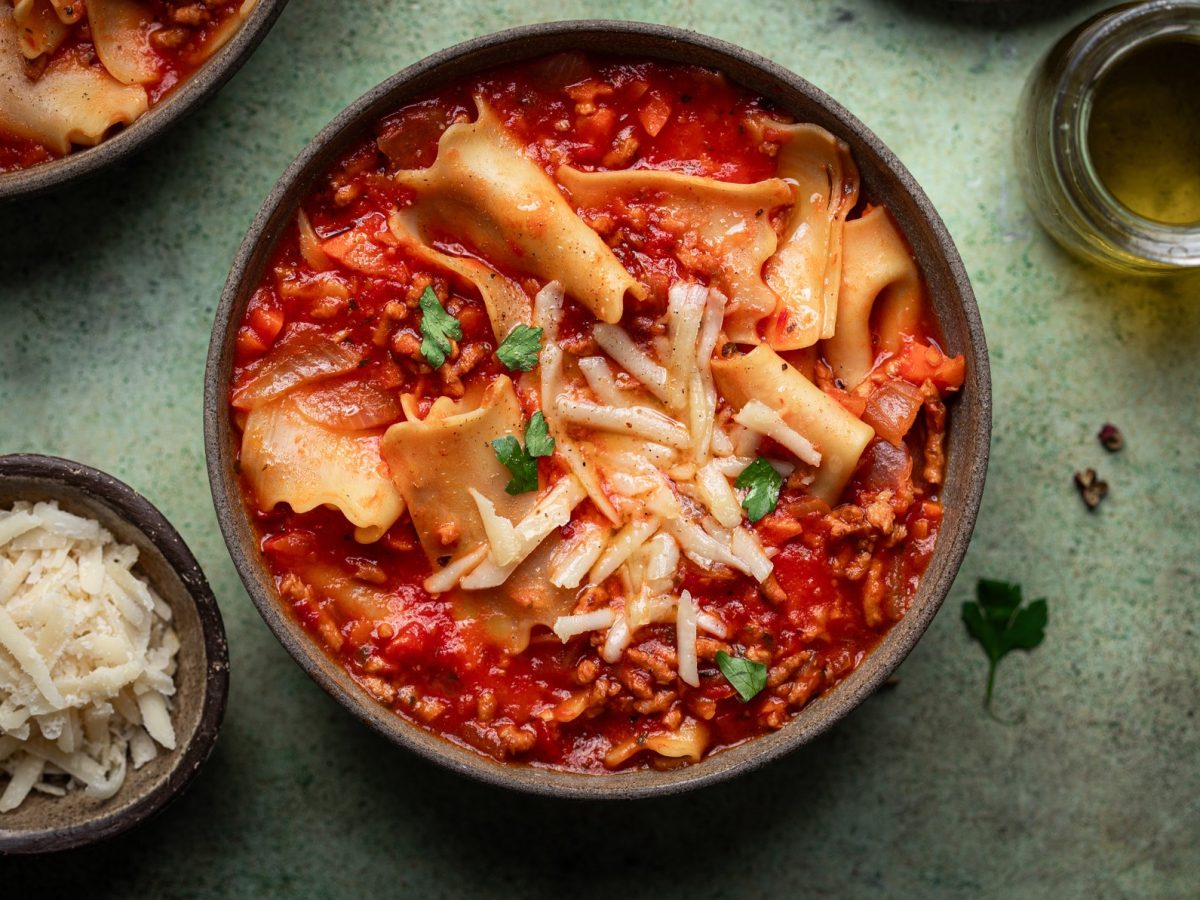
884	179
42	824
203	83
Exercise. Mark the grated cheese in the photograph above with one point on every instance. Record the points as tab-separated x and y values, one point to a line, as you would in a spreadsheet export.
87	658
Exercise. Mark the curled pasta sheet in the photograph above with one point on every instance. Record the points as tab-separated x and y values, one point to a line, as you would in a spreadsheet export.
483	189
223	32
288	458
436	460
39	29
121	35
507	304
878	271
70	103
731	221
806	270
839	436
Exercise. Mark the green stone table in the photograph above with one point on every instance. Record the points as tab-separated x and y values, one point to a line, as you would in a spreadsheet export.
1092	789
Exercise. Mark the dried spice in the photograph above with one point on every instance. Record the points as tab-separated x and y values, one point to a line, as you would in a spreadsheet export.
1110	437
1091	488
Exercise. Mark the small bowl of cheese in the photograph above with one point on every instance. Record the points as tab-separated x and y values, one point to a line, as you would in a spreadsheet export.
114	667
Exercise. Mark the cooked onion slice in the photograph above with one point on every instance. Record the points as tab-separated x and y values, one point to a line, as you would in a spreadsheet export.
301	356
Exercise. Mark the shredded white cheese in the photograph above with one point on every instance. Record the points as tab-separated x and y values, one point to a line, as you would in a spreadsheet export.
87	657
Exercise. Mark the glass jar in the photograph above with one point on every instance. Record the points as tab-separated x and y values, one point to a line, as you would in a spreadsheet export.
1054	163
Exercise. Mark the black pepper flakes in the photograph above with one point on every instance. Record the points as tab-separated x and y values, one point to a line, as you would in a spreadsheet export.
1091	488
1110	438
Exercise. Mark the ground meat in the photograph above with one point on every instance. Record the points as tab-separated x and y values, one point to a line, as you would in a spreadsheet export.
453	373
874	594
656	658
637	681
934	468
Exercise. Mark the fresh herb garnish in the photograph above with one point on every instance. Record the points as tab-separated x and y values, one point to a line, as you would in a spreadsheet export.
747	676
438	327
521	462
519	351
1001	625
763	483
537	436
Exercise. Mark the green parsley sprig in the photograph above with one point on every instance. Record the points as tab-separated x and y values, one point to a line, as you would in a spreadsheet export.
519	351
762	483
1000	624
521	462
438	328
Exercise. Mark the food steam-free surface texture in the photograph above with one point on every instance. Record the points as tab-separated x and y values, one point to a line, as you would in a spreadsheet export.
564	553
904	796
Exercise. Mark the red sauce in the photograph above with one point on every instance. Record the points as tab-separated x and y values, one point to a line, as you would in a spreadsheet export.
180	38
444	674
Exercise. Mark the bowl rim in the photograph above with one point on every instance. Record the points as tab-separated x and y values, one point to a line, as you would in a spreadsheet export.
652	41
137	511
82	163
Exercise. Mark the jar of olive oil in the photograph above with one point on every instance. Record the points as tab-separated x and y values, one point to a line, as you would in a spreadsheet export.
1108	138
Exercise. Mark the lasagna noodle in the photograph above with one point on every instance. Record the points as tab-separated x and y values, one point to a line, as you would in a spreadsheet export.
39	28
806	270
437	460
482	189
731	221
878	271
70	104
287	458
840	438
121	34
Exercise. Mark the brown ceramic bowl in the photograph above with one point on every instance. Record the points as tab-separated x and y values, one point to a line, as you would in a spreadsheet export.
884	179
203	83
43	824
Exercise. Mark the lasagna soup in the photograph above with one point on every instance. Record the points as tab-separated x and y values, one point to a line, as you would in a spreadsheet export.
72	71
591	417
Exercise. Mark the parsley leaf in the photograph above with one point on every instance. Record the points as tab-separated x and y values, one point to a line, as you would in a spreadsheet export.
537	436
519	463
747	676
1000	624
764	484
520	349
437	329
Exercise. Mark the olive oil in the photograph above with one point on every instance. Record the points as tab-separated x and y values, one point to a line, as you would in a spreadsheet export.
1143	132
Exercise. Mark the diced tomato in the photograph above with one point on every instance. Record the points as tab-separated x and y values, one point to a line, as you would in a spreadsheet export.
921	362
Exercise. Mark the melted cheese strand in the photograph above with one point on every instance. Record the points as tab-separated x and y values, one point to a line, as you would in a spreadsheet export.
685	640
759	417
620	346
640	421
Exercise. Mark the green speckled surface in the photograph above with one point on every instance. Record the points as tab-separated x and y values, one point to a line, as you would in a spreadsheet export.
107	294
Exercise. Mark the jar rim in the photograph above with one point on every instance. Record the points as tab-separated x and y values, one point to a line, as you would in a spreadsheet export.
1093	53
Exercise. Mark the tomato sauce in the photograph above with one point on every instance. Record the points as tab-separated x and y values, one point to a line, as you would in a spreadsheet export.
180	38
840	585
